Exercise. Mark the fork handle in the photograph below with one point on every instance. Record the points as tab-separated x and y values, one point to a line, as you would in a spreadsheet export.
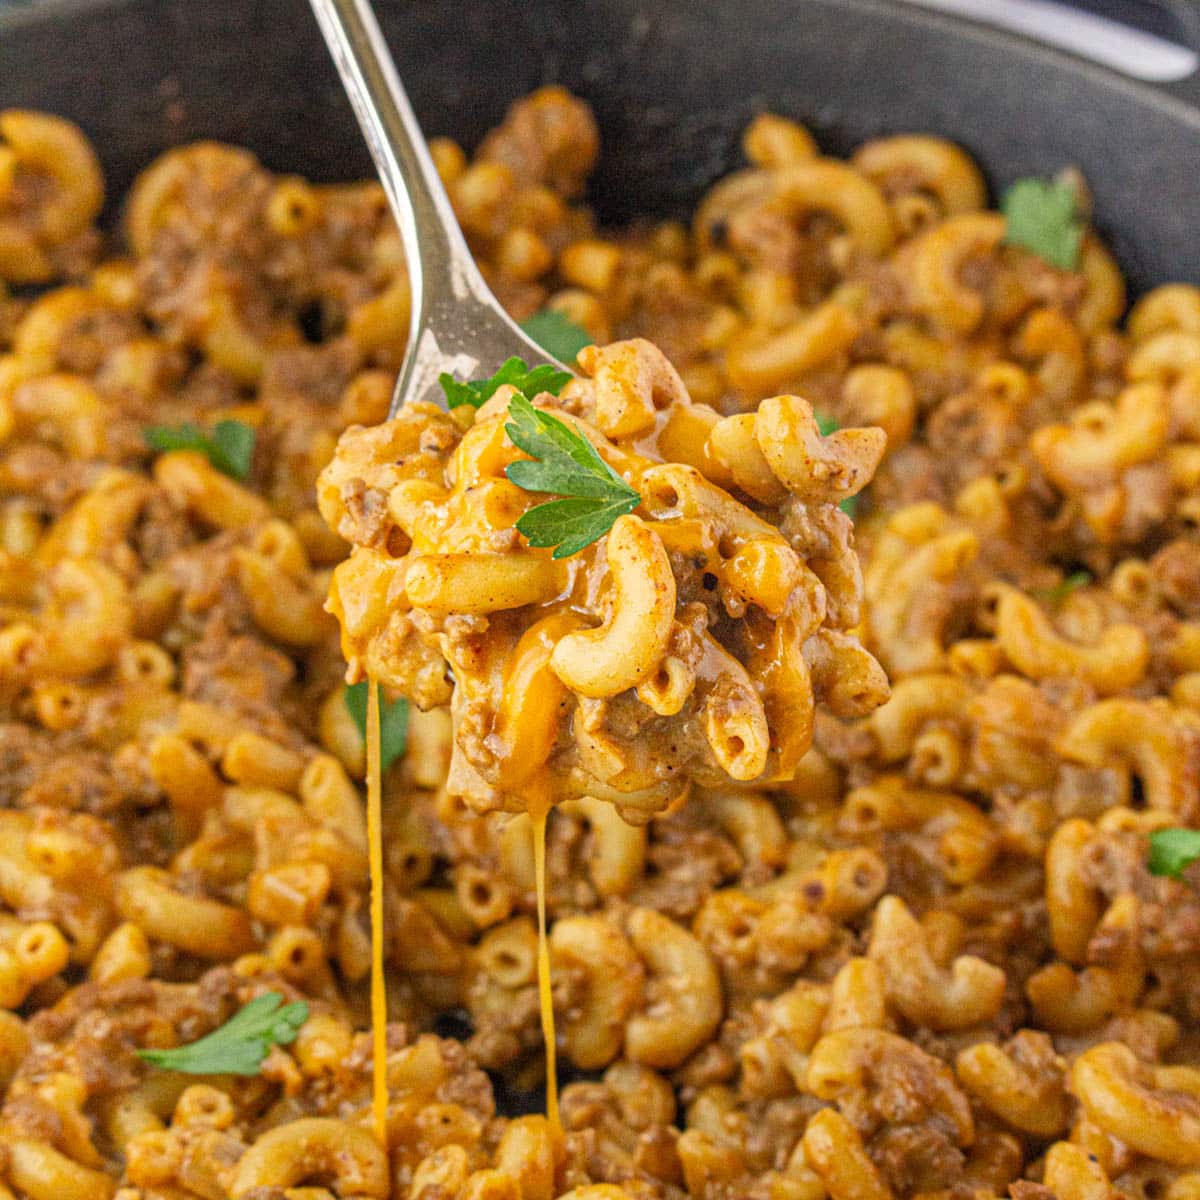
391	130
457	324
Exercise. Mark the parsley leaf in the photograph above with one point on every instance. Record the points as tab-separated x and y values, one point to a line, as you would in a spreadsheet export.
230	446
565	464
1060	591
825	426
573	524
1043	217
529	381
556	334
1171	850
234	443
393	722
239	1046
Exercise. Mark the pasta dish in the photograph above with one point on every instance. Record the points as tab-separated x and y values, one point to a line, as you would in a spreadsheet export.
781	732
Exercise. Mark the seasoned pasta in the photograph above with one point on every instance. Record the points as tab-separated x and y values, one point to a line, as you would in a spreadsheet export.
692	645
913	949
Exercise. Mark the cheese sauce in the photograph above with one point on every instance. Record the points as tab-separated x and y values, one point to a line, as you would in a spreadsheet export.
539	810
375	864
537	816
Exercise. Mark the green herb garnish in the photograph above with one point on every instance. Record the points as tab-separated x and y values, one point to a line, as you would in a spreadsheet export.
1172	850
393	722
825	426
565	464
556	334
529	381
1044	217
229	447
239	1046
1060	591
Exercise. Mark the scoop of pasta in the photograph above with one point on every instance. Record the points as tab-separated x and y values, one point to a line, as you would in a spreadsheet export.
690	643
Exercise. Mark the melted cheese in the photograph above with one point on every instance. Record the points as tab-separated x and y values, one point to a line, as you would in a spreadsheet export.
375	844
537	816
539	810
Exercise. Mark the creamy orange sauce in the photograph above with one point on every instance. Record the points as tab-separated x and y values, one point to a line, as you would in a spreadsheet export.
539	811
537	816
745	599
379	1092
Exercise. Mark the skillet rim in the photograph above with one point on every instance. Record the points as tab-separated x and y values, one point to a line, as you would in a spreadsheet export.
1164	97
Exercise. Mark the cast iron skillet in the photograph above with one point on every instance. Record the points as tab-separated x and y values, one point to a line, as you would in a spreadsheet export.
673	82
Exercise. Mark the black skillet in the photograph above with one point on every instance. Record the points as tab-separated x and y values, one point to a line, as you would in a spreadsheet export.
673	82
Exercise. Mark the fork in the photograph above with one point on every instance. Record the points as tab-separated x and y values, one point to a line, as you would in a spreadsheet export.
457	323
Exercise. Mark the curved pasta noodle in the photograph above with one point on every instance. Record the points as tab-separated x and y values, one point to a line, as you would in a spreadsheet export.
851	946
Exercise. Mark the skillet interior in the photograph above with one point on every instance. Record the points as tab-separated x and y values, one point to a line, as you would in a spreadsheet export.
673	83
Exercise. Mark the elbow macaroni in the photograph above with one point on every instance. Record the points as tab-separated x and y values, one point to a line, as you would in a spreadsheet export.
907	950
664	649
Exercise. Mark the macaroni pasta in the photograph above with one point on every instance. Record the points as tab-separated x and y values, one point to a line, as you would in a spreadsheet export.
892	945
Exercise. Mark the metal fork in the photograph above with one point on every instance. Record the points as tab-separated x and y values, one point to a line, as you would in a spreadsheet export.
457	324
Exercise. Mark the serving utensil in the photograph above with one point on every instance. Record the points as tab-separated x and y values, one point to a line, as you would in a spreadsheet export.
457	323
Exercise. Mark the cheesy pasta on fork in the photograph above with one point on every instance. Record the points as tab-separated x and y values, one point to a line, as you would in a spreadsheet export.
690	642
